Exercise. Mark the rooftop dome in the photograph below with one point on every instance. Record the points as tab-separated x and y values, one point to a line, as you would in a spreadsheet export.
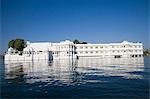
28	43
10	50
66	42
125	42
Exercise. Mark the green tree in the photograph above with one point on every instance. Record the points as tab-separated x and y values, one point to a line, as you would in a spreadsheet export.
84	43
19	44
11	44
76	41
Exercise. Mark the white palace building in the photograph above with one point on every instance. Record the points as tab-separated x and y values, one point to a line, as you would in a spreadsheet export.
67	49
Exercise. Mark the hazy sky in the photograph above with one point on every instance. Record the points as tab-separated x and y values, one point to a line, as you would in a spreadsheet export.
87	20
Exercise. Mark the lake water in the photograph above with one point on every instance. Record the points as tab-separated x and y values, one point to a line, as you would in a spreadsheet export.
83	78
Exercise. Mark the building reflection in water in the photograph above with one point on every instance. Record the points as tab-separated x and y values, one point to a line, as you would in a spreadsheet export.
71	72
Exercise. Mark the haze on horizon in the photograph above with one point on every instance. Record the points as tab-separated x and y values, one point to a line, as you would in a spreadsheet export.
86	20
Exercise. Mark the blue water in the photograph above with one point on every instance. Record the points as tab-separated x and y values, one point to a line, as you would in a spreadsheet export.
83	78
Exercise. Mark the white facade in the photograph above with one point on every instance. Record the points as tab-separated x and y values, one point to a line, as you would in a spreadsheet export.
124	49
67	49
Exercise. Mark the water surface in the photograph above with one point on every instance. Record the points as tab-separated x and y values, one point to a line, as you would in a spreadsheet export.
83	78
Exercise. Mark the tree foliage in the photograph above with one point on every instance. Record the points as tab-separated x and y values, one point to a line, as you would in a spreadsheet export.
18	44
78	42
11	43
84	42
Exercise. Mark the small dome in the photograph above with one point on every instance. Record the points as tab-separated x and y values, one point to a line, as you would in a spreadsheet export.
28	43
10	49
66	42
125	42
28	49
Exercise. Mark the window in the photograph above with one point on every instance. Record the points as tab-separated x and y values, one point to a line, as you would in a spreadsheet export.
81	47
91	47
86	47
101	47
96	51
132	55
91	52
96	47
75	52
117	56
86	52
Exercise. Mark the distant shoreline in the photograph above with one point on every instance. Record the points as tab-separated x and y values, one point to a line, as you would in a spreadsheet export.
146	52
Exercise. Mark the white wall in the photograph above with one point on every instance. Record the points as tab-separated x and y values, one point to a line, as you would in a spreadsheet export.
28	57
66	49
109	50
